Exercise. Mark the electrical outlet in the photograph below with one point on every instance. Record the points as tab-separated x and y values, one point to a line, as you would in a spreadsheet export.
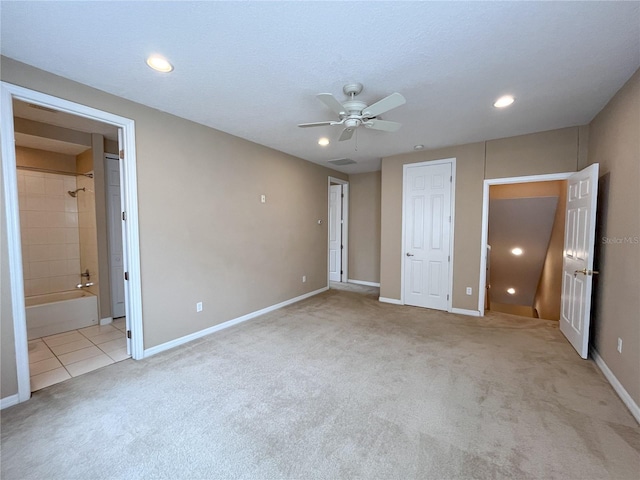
619	345
469	290
304	279
263	198
199	307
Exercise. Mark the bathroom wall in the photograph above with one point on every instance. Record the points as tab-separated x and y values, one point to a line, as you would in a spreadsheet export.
87	222
49	226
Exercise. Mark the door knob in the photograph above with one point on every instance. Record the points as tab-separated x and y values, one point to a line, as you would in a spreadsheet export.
409	254
584	271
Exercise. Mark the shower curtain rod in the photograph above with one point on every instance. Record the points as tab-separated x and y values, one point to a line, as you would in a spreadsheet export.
60	172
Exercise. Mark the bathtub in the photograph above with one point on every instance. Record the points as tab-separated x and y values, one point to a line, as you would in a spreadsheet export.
60	312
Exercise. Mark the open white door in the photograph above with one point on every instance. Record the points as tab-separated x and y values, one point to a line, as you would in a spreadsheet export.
579	243
335	233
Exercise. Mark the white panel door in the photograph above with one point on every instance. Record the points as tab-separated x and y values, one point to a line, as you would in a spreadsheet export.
335	233
116	261
427	218
579	243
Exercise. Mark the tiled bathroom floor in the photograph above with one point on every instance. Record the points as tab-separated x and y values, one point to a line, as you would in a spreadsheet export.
59	357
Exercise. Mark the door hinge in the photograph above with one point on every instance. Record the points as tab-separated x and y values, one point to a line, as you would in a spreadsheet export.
451	179
128	333
341	272
121	154
341	247
447	296
126	275
342	195
449	218
448	258
124	215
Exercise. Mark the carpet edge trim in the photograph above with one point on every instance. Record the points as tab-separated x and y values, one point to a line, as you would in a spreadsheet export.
148	352
617	386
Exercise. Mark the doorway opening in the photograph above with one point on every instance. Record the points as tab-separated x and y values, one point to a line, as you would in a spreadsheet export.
58	238
524	253
519	215
338	230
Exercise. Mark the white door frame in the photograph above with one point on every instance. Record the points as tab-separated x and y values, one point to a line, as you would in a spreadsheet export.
485	220
345	226
131	242
403	252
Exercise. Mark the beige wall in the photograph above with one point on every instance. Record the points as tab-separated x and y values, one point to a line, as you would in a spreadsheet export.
364	227
35	158
549	295
204	235
468	220
102	234
38	129
614	143
554	151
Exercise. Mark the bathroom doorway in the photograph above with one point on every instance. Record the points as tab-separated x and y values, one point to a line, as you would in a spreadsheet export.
56	201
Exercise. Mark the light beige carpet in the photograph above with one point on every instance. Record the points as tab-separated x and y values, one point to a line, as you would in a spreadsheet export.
338	386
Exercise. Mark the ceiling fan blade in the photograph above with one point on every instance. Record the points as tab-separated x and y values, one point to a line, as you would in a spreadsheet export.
388	103
331	102
383	125
347	133
315	124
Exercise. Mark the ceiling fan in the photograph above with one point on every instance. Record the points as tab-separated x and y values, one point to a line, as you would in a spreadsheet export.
354	113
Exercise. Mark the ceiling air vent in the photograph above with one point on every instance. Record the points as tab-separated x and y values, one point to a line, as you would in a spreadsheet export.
40	107
342	161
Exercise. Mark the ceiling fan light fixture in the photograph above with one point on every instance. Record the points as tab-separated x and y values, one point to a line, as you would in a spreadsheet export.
511	291
324	141
159	64
504	101
418	147
517	251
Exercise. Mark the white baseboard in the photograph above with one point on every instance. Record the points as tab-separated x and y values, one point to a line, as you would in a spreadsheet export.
464	311
362	282
617	386
208	331
9	401
106	321
390	300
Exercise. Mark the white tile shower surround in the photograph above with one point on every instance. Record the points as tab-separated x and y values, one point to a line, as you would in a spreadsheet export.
57	358
49	227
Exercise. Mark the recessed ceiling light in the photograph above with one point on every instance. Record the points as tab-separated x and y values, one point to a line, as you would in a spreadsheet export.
160	64
504	101
418	147
324	141
511	291
516	251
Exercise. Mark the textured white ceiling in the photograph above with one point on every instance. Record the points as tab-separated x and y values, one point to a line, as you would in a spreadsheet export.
252	68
